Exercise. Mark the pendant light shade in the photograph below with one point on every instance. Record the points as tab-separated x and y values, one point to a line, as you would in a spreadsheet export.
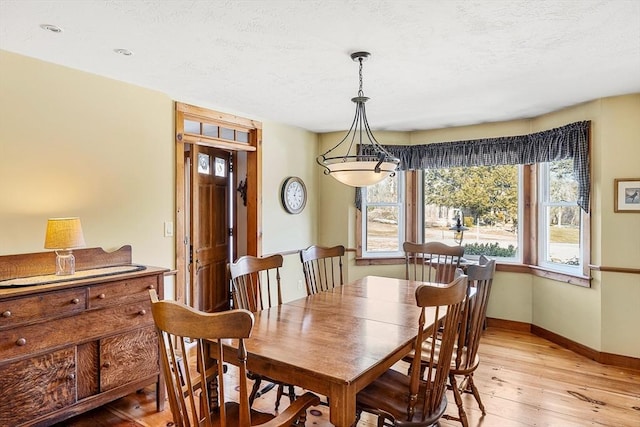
362	161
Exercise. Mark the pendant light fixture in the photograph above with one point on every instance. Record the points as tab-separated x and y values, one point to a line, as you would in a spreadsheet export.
365	161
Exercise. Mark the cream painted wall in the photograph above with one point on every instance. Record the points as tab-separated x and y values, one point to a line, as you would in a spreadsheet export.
288	151
113	145
600	317
75	144
603	317
620	301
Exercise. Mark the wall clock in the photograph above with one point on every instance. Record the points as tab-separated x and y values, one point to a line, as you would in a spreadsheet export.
293	195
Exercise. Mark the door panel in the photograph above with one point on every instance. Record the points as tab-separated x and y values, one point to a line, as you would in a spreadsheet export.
209	228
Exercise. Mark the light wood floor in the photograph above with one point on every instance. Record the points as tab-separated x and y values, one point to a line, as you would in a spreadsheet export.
524	380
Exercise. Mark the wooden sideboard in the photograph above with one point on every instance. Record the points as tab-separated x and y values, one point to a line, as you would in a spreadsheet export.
70	346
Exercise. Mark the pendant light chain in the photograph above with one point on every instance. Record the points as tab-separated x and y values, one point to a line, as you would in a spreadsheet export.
360	92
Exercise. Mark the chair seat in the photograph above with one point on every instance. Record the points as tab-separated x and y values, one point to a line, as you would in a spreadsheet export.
459	366
387	396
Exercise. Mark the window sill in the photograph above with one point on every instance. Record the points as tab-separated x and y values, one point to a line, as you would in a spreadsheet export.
510	268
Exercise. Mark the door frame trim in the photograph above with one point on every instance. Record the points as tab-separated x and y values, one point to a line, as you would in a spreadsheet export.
254	177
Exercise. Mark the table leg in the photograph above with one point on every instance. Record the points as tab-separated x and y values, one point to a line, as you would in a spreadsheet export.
342	407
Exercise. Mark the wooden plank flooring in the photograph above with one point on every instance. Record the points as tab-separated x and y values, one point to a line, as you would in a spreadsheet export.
524	380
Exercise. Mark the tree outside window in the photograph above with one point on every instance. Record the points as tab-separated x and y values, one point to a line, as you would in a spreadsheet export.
485	196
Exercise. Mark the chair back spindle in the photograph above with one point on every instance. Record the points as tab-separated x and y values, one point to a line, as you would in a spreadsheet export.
255	282
431	261
322	267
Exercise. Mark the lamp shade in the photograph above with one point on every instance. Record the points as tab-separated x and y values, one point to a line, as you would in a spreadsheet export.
64	233
361	174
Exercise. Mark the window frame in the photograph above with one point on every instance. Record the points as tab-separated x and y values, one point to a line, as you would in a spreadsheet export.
520	196
543	223
529	213
401	203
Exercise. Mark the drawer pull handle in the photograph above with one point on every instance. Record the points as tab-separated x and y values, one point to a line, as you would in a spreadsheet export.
21	342
142	312
151	287
71	376
102	296
75	301
106	364
6	314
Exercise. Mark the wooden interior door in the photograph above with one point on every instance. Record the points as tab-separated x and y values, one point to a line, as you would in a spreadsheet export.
210	226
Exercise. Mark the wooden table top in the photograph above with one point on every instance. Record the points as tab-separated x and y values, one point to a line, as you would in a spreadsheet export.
336	342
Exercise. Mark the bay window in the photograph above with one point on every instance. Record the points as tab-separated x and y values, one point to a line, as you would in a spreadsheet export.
524	201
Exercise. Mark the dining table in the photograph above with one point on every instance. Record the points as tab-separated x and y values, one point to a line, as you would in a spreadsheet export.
336	342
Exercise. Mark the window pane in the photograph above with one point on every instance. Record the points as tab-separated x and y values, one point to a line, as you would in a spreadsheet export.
226	133
210	130
383	217
192	127
563	235
560	234
221	167
242	136
382	228
486	200
204	165
563	186
386	191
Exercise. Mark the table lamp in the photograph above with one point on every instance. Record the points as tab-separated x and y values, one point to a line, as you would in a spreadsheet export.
64	234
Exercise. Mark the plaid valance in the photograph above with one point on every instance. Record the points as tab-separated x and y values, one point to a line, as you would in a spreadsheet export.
569	141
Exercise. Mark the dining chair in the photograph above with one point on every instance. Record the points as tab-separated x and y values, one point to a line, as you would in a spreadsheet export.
431	261
400	399
255	285
189	397
466	359
322	267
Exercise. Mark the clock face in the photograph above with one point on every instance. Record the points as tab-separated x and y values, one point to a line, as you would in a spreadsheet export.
294	195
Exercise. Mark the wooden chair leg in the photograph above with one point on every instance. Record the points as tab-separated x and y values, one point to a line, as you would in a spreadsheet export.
462	416
279	395
475	392
302	419
254	391
292	393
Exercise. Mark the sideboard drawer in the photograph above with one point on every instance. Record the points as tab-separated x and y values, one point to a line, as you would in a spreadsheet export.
92	324
18	311
37	386
121	292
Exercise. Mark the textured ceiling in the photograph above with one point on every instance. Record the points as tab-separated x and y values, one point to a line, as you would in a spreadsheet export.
434	63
